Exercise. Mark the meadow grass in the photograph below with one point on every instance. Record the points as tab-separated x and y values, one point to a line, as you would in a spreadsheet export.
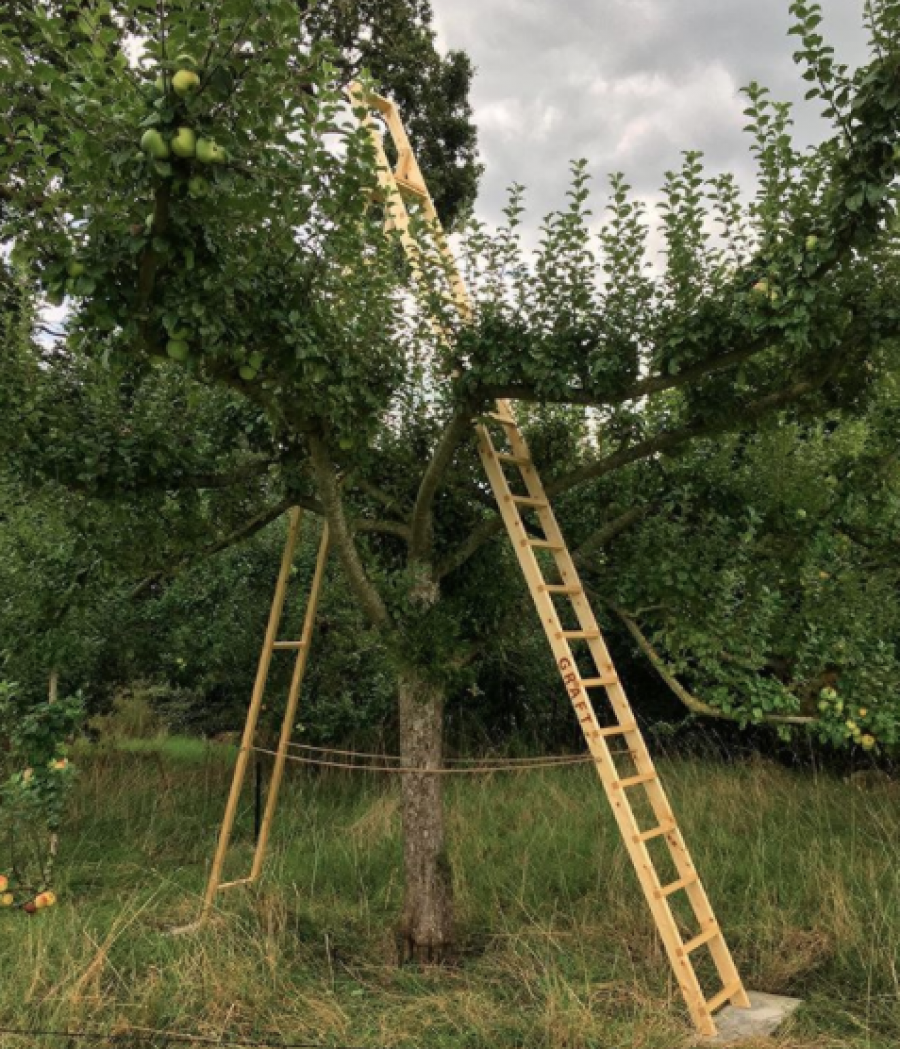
556	945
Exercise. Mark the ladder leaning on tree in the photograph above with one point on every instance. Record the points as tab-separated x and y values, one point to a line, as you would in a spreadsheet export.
658	852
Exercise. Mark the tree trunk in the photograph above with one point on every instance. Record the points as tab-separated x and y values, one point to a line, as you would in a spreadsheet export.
426	931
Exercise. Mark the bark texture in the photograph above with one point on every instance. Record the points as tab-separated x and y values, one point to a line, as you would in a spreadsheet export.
426	931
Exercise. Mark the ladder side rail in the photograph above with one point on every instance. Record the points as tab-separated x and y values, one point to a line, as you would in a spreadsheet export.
259	686
290	712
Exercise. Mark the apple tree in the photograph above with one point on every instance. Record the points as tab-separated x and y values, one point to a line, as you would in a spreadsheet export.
208	216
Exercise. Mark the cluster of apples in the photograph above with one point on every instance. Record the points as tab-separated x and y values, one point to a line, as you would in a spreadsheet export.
185	142
40	902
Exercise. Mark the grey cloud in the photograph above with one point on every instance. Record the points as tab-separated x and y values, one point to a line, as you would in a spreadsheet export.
628	84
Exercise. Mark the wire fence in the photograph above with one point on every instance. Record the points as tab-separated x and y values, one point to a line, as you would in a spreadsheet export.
158	1039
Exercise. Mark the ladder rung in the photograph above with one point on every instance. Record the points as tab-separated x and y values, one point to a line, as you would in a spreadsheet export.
674	886
617	729
504	420
288	644
233	884
724	995
581	635
517	460
704	937
544	544
634	781
600	682
414	188
561	588
656	832
527	500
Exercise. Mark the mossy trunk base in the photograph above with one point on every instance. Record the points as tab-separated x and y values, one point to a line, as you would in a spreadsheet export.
426	928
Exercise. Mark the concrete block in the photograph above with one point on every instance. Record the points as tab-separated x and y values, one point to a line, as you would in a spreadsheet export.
766	1014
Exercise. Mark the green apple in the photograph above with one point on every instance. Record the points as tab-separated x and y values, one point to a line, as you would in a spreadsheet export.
812	242
177	349
153	143
185	82
184	144
761	287
256	360
75	268
198	186
247	373
209	152
7	899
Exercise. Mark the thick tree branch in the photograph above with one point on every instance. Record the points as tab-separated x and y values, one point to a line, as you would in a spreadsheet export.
645	387
250	528
341	533
605	535
693	704
422	519
665	441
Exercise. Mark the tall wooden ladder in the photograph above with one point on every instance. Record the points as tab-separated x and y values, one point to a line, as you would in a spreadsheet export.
300	648
661	859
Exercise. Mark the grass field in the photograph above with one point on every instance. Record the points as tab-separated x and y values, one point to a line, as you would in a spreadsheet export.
557	948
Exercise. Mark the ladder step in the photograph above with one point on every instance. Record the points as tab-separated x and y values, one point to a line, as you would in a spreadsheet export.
698	941
544	544
516	460
527	500
724	995
234	884
674	886
288	644
581	635
504	420
634	781
617	730
600	682
561	588
656	832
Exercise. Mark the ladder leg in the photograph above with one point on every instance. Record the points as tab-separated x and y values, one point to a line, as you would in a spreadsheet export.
290	712
262	673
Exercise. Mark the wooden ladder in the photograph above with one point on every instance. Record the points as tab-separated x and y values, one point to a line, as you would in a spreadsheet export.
528	497
405	185
271	645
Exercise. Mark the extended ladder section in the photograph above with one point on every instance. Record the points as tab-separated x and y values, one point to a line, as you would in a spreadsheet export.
645	818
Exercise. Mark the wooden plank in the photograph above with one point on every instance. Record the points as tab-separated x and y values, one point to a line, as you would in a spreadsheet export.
527	500
726	994
701	938
600	682
674	886
580	635
284	645
634	781
617	730
656	832
542	544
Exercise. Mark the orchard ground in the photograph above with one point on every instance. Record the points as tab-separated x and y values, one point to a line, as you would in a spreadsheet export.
556	947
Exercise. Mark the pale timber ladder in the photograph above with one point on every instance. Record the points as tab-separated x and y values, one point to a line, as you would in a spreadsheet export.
406	183
300	648
397	186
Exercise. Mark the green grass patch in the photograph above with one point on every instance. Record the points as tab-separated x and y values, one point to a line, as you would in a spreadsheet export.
557	948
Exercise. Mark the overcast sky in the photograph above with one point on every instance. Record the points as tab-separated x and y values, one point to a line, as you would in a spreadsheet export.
628	84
